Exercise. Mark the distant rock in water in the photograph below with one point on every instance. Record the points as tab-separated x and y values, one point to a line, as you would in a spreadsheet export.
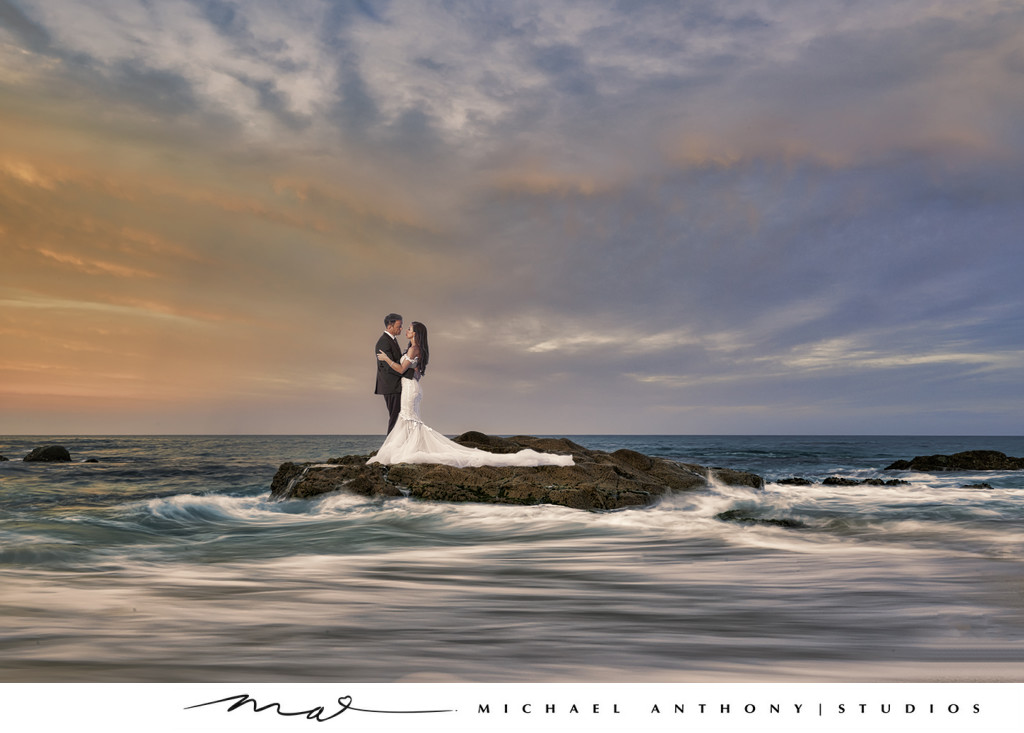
972	460
598	481
840	481
744	517
2	459
50	453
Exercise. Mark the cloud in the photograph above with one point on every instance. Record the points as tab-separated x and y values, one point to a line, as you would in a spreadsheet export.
14	20
25	172
96	266
640	215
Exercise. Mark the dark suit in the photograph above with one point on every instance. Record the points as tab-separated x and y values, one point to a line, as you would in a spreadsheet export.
389	382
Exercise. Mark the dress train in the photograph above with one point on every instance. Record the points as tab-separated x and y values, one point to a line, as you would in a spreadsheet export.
411	441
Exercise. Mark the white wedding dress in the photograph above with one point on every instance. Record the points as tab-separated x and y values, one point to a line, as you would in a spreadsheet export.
410	441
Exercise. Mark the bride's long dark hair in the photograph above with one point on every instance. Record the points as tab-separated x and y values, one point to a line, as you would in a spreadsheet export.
421	340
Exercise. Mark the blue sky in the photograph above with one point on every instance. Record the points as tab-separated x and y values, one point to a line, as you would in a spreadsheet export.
635	217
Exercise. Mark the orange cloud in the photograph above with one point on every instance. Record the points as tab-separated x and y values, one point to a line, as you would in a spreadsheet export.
26	173
536	181
94	267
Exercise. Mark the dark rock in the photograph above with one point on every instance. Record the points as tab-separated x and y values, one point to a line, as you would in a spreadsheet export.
794	481
840	481
90	460
731	477
598	481
2	459
307	480
972	460
563	446
739	515
977	486
631	458
52	453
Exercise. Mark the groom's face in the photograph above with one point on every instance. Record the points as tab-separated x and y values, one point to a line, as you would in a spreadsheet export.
395	328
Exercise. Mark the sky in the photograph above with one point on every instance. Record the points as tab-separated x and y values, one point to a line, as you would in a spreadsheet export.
693	217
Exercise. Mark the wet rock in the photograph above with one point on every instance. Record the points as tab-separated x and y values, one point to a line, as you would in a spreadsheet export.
2	459
744	517
49	453
977	486
732	477
598	481
840	481
972	460
307	480
794	481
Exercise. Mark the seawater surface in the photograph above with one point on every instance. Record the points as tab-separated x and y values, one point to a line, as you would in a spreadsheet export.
166	561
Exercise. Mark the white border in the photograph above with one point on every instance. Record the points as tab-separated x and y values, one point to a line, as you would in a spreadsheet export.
113	708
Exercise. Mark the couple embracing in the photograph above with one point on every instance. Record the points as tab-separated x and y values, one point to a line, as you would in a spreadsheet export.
409	440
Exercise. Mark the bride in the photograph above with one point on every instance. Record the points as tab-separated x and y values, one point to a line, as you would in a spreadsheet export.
413	442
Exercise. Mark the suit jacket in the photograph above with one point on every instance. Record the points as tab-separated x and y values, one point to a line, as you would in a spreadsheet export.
388	380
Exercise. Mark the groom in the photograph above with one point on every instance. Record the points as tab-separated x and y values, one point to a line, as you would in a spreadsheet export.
389	382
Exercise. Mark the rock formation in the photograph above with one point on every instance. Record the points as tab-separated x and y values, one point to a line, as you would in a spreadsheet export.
841	481
746	517
51	453
598	481
972	460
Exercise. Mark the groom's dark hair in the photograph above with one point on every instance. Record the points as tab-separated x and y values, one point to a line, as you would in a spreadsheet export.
391	318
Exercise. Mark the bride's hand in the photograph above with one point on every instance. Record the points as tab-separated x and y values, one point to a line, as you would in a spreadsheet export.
381	356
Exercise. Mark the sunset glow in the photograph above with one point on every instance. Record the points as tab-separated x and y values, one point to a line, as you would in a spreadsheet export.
698	218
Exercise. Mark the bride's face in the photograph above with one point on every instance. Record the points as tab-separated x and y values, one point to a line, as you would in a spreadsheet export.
409	333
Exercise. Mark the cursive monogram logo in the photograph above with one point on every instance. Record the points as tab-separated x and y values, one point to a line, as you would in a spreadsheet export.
315	714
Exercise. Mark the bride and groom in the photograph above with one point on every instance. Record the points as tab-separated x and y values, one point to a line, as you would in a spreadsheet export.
409	440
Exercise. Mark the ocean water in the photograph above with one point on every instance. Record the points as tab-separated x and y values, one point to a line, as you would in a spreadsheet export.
166	561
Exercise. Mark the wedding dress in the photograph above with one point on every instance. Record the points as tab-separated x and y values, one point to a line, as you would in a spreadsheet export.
410	441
